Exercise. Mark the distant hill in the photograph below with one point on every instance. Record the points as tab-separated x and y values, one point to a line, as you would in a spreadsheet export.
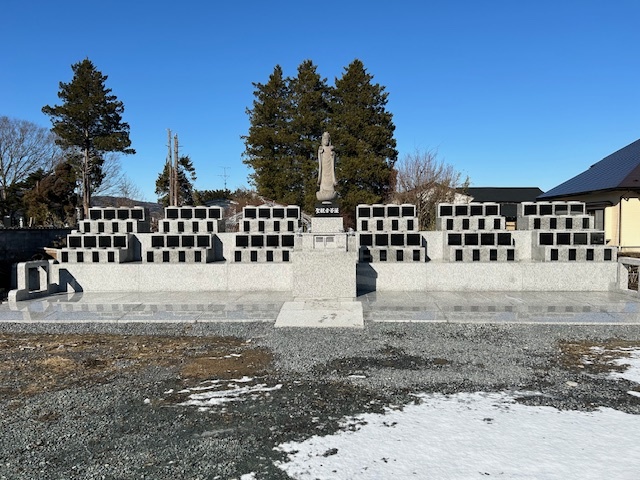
155	209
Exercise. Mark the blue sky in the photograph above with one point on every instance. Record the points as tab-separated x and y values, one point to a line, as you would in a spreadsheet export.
511	93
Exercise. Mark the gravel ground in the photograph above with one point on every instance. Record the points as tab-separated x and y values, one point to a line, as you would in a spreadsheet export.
114	409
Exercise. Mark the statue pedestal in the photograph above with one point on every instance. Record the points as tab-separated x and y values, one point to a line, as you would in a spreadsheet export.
324	279
327	218
326	225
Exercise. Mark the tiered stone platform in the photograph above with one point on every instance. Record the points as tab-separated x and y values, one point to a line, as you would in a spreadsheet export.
554	247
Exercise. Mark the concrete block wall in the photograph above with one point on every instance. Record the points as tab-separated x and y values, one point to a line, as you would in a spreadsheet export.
563	232
186	235
180	255
553	215
96	255
269	225
469	216
471	223
190	220
563	222
193	213
184	245
475	232
386	218
100	248
107	235
266	235
108	227
191	226
264	212
109	220
389	233
550	208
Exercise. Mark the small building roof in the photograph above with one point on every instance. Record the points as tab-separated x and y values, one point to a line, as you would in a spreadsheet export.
618	171
504	194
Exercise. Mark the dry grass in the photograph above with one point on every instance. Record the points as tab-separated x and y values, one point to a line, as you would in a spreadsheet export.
595	357
31	364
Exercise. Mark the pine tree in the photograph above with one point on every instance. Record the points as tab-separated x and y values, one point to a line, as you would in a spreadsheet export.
309	119
286	126
362	132
268	143
186	177
90	121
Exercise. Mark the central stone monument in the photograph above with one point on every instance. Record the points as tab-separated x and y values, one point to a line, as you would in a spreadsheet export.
327	217
324	268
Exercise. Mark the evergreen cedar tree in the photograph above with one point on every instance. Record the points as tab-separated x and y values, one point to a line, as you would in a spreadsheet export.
186	177
51	197
268	143
287	120
89	124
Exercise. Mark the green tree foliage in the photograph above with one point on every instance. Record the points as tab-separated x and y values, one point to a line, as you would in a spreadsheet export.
362	133
201	197
287	120
269	141
52	200
186	177
309	119
89	122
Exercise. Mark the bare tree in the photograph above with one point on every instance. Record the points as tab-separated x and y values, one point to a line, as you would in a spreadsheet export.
424	180
24	148
128	192
111	175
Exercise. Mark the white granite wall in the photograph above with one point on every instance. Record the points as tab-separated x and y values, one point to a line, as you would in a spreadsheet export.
152	277
512	276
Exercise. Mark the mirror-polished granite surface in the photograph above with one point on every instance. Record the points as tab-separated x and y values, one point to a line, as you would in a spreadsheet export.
192	307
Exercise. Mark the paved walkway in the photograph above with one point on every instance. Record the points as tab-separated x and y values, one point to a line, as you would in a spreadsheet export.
460	307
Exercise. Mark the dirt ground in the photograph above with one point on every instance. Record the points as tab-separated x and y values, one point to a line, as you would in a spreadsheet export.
36	363
121	405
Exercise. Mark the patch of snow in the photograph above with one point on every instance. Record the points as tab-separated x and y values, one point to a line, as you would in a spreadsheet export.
472	436
215	383
634	393
216	394
632	373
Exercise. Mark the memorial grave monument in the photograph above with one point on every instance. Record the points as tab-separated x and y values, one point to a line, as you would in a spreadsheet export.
324	267
554	247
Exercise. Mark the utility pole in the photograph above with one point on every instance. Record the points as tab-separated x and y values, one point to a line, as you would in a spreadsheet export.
176	190
170	165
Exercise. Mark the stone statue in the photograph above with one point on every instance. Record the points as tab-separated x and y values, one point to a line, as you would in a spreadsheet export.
326	170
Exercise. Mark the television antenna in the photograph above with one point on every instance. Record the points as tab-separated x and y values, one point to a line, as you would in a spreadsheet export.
224	175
